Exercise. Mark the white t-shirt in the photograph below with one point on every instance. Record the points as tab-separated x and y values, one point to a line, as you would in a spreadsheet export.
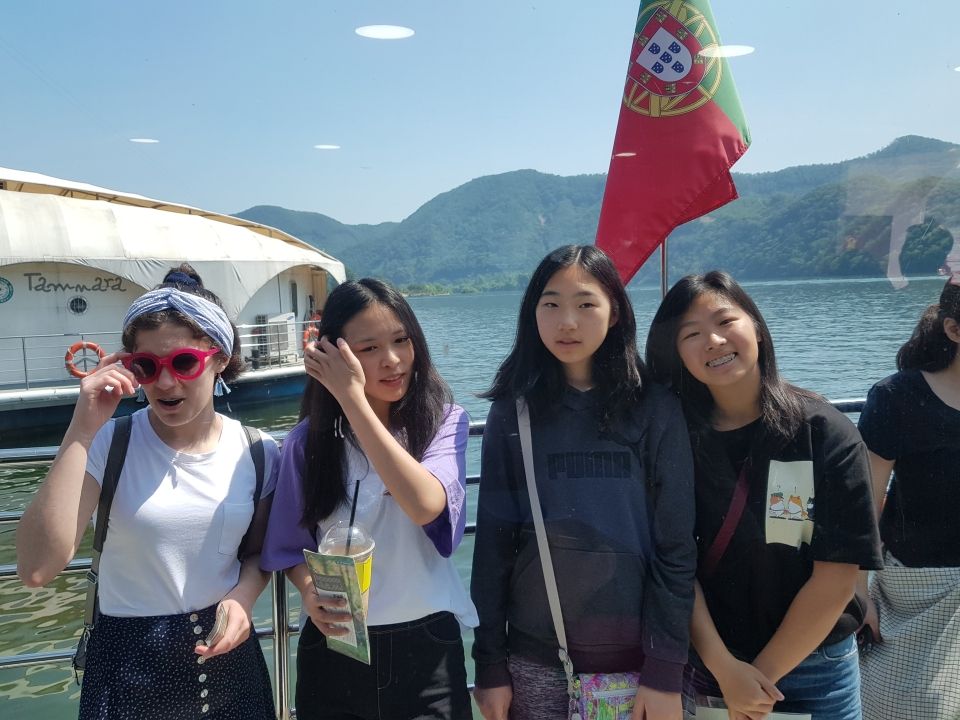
177	519
410	579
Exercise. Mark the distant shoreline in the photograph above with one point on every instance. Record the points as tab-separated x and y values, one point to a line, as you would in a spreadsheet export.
436	290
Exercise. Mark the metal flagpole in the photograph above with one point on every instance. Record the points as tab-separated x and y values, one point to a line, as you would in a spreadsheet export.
663	269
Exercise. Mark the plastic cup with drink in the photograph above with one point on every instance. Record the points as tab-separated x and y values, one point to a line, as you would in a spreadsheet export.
350	540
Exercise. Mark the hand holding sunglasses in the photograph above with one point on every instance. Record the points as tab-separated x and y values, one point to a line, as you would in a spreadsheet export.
100	394
183	364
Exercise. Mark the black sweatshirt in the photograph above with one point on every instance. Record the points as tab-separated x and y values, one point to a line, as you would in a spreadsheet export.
625	584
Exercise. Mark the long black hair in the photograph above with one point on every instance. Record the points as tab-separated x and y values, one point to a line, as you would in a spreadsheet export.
781	404
416	417
929	348
185	279
530	370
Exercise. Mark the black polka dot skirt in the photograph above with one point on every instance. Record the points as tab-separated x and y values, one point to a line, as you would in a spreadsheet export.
146	669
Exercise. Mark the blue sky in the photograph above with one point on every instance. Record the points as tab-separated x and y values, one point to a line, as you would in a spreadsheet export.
238	92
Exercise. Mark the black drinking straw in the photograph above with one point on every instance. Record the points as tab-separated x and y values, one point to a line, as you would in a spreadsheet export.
353	515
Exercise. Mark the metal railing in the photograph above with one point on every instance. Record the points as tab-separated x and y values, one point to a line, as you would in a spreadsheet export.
38	360
280	629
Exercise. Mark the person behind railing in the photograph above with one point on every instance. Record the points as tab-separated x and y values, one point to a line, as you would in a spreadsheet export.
380	443
614	472
784	511
183	504
911	424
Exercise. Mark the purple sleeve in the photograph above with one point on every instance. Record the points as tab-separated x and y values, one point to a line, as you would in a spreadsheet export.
446	459
286	535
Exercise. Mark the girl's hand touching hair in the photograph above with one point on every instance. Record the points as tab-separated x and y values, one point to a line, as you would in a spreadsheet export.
336	368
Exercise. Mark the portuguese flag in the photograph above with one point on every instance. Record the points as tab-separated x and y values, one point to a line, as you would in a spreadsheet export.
681	128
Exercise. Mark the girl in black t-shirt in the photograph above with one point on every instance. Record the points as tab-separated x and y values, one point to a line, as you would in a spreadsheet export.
784	512
911	424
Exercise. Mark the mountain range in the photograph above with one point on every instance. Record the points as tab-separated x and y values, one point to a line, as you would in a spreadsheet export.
828	220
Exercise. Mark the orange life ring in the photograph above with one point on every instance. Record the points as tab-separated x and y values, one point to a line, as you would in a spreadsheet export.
77	347
310	334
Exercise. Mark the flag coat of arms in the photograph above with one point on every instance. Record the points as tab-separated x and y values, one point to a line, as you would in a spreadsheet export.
680	130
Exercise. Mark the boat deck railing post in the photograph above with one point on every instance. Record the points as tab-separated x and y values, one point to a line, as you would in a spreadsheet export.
281	646
26	372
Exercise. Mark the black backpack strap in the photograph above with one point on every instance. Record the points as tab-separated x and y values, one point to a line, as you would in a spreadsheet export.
255	440
108	487
111	474
257	454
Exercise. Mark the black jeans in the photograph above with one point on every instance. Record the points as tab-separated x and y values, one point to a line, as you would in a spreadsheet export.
416	672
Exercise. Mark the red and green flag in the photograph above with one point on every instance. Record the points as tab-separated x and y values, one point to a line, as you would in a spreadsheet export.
681	129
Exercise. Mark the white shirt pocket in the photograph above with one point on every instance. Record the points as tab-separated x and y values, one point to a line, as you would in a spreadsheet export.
235	519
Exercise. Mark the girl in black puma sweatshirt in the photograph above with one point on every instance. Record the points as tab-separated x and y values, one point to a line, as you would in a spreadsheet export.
615	478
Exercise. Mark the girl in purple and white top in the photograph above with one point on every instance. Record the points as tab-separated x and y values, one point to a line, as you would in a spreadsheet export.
377	424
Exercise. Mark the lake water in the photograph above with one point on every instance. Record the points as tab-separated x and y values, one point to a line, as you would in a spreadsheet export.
834	337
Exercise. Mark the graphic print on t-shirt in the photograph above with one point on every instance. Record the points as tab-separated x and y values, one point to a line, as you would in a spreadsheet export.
794	510
777	508
789	518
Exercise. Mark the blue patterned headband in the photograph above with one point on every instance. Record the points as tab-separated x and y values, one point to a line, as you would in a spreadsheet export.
209	316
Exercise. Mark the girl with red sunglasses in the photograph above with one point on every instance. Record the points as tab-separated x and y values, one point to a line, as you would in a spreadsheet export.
174	562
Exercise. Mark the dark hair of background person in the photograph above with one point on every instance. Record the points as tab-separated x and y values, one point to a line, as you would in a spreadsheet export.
531	371
781	404
417	416
929	348
185	279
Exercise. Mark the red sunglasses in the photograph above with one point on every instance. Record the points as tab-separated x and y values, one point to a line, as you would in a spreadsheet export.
183	364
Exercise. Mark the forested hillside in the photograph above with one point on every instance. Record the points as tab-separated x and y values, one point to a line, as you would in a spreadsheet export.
806	221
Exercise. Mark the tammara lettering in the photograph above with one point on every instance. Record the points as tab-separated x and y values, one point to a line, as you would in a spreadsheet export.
36	282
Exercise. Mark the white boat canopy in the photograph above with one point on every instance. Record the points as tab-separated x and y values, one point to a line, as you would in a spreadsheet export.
44	219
